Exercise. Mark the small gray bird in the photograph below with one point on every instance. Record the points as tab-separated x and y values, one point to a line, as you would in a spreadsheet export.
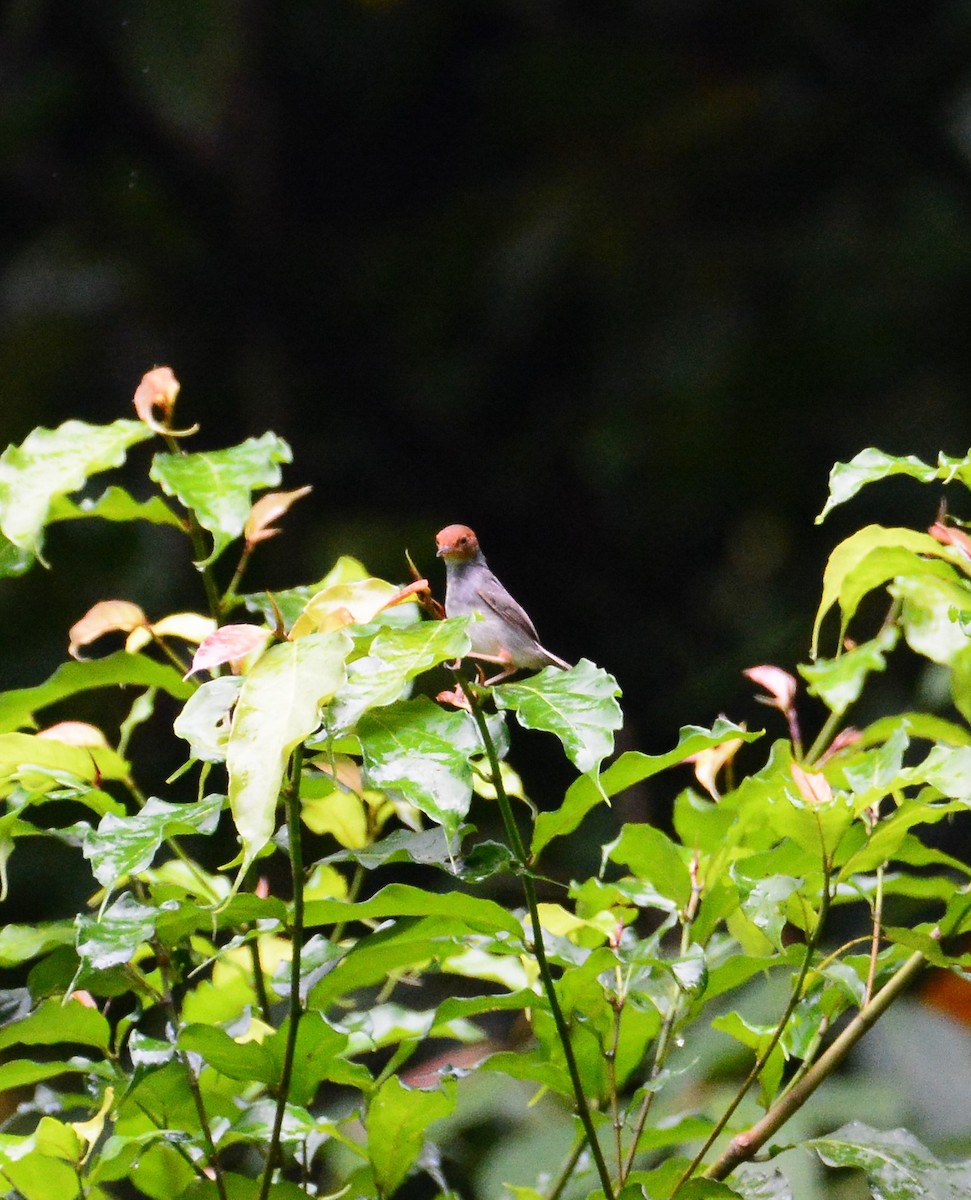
504	634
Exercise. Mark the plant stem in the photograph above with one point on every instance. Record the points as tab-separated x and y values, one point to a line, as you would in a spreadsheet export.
292	799
747	1144
759	1064
875	943
162	958
199	547
566	1171
539	949
664	1038
823	738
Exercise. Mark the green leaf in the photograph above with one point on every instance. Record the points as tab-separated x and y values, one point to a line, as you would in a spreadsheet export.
204	720
707	1189
37	1166
755	1182
20	943
866	560
400	900
398	1118
236	1060
946	768
932	607
319	1056
961	682
218	485
579	706
632	767
869	466
651	855
422	751
427	847
395	657
115	504
757	1038
48	464
278	707
56	1020
113	936
839	681
122	845
22	752
119	669
292	601
897	1166
764	903
22	1072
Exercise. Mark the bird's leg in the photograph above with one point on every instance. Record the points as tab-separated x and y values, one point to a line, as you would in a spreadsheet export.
510	670
502	659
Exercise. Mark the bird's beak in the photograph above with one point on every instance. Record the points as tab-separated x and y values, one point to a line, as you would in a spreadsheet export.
441	551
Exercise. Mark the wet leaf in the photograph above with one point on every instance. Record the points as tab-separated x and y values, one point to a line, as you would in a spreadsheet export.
122	845
421	751
278	707
869	466
218	485
897	1166
579	706
630	768
396	656
50	463
204	721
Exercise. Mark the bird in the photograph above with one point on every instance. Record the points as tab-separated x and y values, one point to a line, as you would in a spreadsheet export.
504	633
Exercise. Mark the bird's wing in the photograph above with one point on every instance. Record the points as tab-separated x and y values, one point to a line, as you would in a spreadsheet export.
495	596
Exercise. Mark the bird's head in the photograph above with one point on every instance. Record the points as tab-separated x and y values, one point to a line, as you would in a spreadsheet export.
457	543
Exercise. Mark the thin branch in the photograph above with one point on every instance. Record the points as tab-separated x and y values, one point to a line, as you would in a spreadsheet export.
747	1144
539	948
760	1062
875	942
664	1039
162	959
292	799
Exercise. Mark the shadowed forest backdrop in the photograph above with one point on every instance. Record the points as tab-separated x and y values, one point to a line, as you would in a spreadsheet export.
615	283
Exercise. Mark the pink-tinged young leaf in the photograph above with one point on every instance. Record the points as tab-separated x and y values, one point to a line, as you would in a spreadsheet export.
157	392
230	644
266	510
74	733
843	740
342	604
189	626
948	535
813	787
107	616
709	762
780	685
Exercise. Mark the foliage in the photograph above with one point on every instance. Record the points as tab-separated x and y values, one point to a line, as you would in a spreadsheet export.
203	1033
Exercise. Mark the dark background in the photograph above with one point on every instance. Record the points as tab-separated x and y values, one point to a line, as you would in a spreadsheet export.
615	283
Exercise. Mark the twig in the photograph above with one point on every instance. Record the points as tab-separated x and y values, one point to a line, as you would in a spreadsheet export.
745	1145
539	949
292	799
759	1064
